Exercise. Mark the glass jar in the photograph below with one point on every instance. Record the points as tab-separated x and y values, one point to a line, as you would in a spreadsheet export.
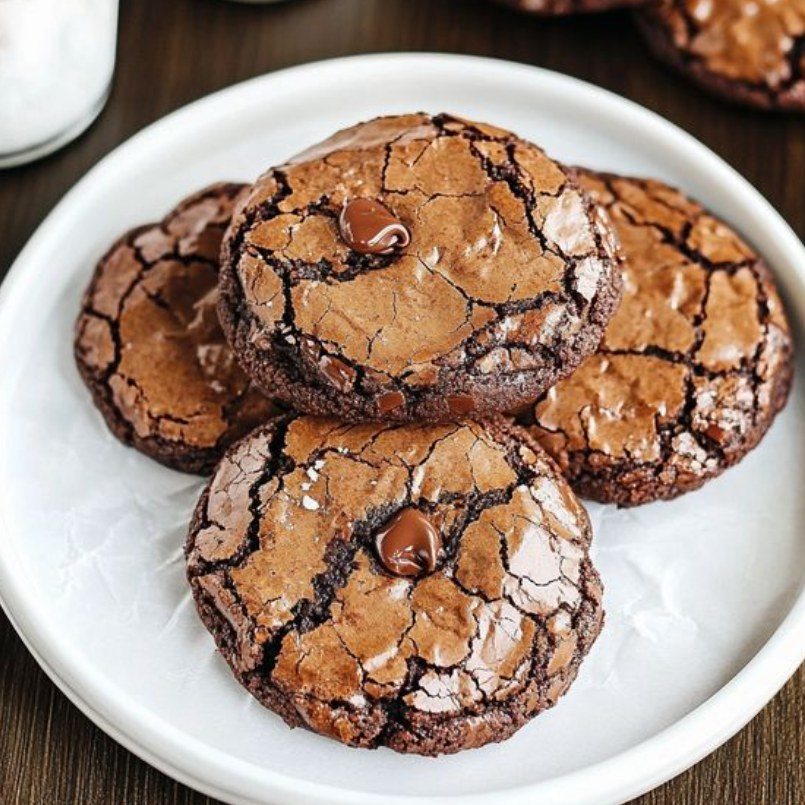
57	58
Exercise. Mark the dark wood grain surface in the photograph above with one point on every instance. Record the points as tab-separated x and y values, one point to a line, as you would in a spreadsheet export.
174	51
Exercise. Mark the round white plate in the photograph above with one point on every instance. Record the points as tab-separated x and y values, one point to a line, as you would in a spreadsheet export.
705	604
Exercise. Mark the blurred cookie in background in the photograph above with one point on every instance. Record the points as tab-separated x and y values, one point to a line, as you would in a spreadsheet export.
558	8
752	53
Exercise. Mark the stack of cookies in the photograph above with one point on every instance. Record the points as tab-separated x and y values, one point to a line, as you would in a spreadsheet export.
398	354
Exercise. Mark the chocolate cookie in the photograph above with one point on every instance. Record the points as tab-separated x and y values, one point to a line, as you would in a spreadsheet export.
692	369
415	267
749	51
560	8
149	346
422	587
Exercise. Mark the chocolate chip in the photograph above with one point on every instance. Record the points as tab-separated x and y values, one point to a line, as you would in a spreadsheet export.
390	401
716	432
409	544
337	372
460	404
368	227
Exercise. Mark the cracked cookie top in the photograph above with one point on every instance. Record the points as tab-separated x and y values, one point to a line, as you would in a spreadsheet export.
750	50
691	369
504	280
148	342
284	564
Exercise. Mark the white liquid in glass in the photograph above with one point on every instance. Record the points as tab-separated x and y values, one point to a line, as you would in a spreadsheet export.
56	63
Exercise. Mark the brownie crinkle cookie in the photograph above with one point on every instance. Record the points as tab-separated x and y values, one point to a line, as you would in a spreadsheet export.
692	369
559	8
415	267
422	587
748	51
149	346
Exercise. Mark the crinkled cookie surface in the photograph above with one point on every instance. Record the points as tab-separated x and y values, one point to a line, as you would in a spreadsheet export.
507	281
692	368
285	571
149	345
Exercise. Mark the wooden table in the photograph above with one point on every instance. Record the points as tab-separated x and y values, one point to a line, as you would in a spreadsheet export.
174	51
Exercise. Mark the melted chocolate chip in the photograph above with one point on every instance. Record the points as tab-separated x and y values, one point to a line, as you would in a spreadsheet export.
460	404
390	401
337	372
368	227
409	544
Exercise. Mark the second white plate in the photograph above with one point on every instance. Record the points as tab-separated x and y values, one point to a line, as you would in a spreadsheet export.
705	610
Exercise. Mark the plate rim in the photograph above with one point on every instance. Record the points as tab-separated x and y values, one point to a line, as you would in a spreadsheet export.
626	774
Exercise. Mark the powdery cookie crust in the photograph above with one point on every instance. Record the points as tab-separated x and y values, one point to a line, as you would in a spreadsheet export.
692	369
507	282
748	51
149	346
282	562
561	8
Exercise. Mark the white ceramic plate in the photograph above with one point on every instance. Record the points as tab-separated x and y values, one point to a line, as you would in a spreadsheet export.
705	604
